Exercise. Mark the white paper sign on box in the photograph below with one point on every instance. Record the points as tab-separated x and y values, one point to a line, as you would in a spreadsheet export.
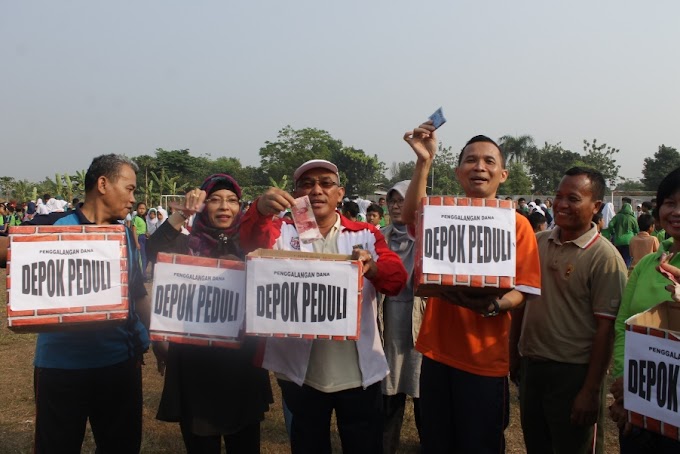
67	273
66	277
303	297
652	369
197	300
468	240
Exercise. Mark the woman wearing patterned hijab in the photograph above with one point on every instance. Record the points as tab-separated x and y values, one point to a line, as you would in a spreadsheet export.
212	392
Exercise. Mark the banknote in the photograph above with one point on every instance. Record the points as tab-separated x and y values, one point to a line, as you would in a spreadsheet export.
304	219
438	118
666	258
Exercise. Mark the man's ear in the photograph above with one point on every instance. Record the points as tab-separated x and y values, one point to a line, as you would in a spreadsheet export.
598	206
102	184
504	175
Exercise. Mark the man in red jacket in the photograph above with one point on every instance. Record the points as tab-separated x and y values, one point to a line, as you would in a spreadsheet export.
319	376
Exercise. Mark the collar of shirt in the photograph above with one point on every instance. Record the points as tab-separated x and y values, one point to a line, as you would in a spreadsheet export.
337	227
584	241
329	244
81	217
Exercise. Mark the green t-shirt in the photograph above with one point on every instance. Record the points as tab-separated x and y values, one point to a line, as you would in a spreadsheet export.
645	289
660	234
140	225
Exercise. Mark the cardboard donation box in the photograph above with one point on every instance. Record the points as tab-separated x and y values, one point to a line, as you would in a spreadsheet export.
61	278
198	300
464	243
651	369
302	294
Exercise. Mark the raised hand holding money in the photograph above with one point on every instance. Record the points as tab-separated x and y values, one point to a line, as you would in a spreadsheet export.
274	201
673	274
437	118
423	141
193	202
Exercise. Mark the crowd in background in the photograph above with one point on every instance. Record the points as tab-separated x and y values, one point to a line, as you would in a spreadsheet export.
453	360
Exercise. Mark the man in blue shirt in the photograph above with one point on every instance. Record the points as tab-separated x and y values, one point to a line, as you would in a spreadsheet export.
96	374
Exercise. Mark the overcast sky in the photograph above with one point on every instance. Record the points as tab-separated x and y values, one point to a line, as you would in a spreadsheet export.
83	78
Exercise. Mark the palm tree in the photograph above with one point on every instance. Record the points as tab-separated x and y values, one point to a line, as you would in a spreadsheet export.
6	187
516	148
69	186
23	190
146	163
53	187
283	184
79	181
167	185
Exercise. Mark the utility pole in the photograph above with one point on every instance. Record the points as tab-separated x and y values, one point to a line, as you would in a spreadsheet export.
432	180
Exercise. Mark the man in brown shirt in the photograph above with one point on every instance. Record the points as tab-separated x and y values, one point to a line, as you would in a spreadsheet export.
567	333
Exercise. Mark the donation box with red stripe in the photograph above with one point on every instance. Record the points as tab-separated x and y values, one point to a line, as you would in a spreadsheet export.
303	294
464	243
63	277
198	300
651	369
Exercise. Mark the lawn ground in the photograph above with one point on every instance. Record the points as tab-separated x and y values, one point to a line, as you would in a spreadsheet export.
17	409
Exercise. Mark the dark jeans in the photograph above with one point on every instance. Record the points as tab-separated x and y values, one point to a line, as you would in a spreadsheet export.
358	413
245	441
625	253
142	252
393	409
548	390
462	412
110	397
287	417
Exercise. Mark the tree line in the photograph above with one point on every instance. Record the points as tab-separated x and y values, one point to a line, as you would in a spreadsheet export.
532	169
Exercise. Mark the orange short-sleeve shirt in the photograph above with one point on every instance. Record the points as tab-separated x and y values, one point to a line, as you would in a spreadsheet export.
463	339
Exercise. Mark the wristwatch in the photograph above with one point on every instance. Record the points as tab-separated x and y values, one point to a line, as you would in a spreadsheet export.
495	311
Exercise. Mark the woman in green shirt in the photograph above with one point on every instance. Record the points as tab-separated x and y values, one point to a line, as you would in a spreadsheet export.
645	289
139	227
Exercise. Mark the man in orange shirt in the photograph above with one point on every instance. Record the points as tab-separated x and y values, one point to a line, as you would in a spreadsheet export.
465	337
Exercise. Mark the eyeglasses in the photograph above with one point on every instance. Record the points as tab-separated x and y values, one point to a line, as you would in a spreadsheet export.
309	183
398	202
217	200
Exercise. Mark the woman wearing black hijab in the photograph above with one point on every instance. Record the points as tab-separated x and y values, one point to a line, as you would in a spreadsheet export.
212	392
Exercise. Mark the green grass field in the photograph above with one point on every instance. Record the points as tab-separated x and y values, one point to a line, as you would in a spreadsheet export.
17	409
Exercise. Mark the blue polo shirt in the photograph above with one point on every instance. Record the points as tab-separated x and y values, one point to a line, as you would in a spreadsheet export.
98	347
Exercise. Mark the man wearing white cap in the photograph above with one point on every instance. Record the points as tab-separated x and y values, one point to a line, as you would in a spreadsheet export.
319	376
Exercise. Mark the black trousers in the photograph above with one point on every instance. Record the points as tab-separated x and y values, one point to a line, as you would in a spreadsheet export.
393	410
110	397
245	441
547	393
358	413
462	412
